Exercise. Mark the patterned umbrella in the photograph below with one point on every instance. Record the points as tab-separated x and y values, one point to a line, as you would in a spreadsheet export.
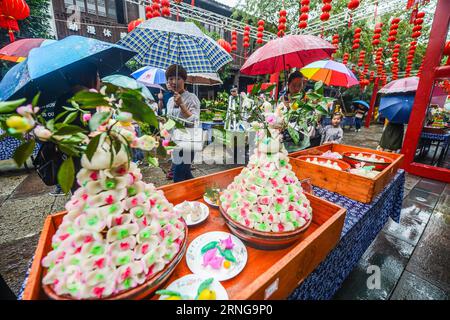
161	42
150	76
332	73
130	83
18	51
47	68
204	79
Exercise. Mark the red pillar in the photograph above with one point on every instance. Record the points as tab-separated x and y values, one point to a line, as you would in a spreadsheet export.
372	102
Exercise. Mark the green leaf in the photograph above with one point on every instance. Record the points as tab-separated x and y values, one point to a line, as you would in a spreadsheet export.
68	130
61	115
92	146
97	119
117	145
168	293
70	150
153	161
269	88
169	125
209	246
294	134
23	152
318	85
11	106
256	88
51	124
71	117
35	101
227	254
139	109
204	285
66	175
89	100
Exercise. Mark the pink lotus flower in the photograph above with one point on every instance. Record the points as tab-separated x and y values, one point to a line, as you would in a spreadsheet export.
87	117
165	143
210	258
227	243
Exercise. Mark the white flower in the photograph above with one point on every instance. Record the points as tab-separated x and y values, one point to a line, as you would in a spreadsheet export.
42	133
147	142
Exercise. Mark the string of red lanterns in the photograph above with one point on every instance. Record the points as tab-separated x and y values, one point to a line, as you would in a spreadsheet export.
326	8
156	9
395	54
165	10
352	5
225	45
148	12
246	40
260	33
377	34
345	58
303	17
234	40
393	30
362	55
282	23
356	38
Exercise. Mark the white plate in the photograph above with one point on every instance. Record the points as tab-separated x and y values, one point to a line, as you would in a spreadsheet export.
194	257
204	213
188	286
208	201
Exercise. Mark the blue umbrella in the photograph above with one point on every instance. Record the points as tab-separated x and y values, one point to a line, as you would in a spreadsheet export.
397	108
150	76
47	69
161	42
130	83
362	103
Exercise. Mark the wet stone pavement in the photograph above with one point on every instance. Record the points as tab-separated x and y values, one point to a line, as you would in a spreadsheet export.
413	255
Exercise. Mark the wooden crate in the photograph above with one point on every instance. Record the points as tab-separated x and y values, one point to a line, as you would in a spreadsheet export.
276	272
353	186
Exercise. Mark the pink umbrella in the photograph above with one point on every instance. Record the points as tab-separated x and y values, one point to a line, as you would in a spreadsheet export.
438	96
17	51
293	51
401	85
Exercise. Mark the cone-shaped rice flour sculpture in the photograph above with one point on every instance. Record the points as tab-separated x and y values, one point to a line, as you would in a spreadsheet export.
266	195
117	233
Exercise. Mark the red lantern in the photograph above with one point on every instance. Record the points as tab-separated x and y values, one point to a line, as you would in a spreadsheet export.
416	34
420	15
133	24
304	9
302	25
325	16
418	21
305	3
246	38
303	17
260	33
224	44
417	28
326	8
156	8
353	4
10	12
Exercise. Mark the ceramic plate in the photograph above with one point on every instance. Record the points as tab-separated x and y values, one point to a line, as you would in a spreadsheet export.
203	214
208	201
194	257
188	285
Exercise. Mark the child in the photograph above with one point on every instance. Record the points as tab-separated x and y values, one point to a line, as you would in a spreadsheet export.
333	132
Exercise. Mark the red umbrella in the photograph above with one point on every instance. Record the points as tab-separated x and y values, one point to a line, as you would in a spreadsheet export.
17	51
293	51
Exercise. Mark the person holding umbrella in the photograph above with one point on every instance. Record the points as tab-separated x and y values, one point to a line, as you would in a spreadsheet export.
185	106
360	107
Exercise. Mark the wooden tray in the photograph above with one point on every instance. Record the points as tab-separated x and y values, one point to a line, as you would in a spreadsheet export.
353	186
268	274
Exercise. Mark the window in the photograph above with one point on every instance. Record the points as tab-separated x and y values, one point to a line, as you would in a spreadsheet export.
80	4
111	8
68	3
101	9
91	7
